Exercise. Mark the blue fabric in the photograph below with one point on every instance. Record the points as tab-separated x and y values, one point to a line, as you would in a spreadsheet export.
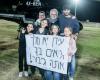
68	22
57	76
49	75
71	68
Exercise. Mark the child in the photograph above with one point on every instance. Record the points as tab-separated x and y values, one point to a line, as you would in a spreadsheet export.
48	74
43	29
71	53
31	30
55	30
23	67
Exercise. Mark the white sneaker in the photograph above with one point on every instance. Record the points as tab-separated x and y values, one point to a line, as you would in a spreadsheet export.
20	74
25	73
71	78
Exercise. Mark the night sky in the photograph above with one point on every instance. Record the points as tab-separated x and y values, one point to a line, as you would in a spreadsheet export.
87	9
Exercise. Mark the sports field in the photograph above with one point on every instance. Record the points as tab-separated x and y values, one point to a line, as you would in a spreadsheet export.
88	55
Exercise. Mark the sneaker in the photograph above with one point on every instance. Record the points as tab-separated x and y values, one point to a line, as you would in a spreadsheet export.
71	78
20	74
25	73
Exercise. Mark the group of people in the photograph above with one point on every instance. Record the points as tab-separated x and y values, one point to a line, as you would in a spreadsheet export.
65	25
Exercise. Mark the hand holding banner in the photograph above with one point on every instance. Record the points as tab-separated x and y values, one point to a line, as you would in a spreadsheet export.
47	52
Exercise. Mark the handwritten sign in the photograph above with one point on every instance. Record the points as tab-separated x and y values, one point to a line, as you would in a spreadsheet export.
47	52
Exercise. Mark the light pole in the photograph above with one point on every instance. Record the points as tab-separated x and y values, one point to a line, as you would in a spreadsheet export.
76	2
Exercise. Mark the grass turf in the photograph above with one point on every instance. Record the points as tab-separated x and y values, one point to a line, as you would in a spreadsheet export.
88	44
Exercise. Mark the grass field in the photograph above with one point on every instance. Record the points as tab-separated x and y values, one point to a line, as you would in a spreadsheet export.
88	56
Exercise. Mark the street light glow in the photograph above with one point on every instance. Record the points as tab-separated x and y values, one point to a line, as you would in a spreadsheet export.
76	1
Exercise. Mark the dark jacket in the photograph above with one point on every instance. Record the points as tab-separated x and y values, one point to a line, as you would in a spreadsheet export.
68	22
53	22
45	32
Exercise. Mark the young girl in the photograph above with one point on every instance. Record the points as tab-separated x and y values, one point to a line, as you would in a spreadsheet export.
49	74
31	30
23	67
43	29
71	53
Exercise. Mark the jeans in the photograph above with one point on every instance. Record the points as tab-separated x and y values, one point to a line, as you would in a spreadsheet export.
71	68
49	75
